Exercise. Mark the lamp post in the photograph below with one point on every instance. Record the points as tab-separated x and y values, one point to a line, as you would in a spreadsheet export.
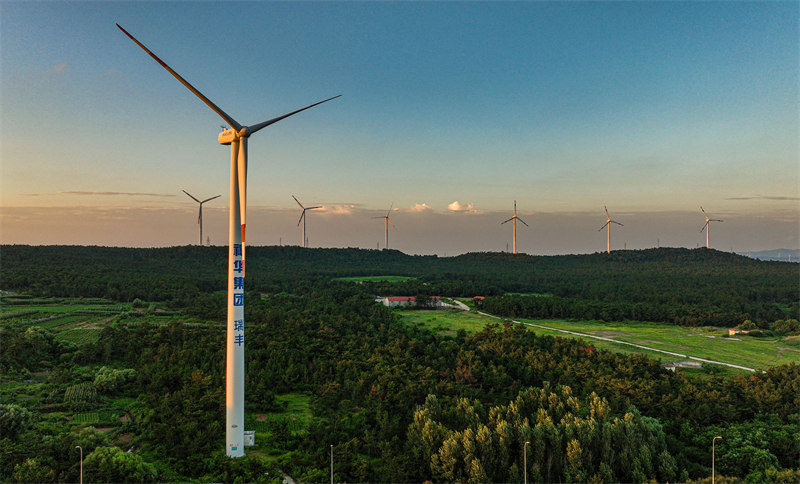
525	460
81	449
713	441
331	463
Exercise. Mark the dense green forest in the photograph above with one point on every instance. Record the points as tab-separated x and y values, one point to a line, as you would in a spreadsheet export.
398	403
682	286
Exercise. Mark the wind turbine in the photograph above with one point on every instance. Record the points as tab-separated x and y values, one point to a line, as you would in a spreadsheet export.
200	215
303	218
607	226
236	136
706	226
514	223
388	221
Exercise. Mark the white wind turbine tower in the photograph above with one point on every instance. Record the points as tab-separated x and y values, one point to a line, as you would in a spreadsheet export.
706	227
200	214
607	226
388	221
236	136
303	218
514	223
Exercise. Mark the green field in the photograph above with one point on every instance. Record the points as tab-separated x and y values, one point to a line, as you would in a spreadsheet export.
707	343
78	320
375	279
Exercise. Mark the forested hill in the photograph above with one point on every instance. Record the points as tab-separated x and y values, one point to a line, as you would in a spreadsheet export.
624	283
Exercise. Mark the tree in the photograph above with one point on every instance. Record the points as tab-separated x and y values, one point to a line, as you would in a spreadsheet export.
112	464
34	472
14	419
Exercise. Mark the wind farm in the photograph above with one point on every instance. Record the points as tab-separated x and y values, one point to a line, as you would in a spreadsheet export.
133	352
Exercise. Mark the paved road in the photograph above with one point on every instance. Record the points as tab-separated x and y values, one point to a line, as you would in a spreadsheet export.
584	335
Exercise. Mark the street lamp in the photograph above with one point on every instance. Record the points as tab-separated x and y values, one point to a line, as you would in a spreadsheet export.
81	449
713	441
331	463
525	460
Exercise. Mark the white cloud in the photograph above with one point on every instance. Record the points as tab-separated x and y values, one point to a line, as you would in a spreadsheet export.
457	206
60	67
338	209
420	207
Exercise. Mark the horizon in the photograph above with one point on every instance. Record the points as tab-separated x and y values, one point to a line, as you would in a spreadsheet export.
449	112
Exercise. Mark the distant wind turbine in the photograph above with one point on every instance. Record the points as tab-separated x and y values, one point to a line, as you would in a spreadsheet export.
388	221
200	214
514	223
303	218
706	227
607	226
236	136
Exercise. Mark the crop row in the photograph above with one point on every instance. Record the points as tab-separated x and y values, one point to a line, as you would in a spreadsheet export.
82	392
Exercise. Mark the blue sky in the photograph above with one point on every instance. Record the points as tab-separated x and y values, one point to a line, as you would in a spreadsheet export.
650	108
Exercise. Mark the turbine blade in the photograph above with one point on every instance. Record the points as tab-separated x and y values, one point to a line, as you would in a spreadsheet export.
390	210
312	208
390	221
509	220
252	129
704	226
209	199
298	202
301	217
523	222
196	200
231	122
604	226
606	209
615	222
716	220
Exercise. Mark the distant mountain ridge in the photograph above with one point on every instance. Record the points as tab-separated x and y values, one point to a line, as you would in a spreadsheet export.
783	255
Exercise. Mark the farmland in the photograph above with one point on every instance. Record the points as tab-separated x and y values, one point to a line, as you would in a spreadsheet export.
702	342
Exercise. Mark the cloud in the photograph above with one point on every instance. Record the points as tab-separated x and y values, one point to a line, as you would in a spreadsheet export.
457	206
60	67
130	194
762	197
338	208
420	207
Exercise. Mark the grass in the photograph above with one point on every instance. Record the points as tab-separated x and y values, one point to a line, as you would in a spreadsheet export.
447	321
375	279
706	342
297	414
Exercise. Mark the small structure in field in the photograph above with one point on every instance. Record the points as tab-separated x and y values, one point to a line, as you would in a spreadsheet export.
683	364
397	301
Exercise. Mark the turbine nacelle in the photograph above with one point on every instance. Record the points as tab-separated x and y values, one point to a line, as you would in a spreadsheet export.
228	136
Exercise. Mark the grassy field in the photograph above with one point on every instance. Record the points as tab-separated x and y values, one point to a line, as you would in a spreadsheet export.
375	279
706	343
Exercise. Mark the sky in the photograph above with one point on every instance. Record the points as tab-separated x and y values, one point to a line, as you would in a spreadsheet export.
450	112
